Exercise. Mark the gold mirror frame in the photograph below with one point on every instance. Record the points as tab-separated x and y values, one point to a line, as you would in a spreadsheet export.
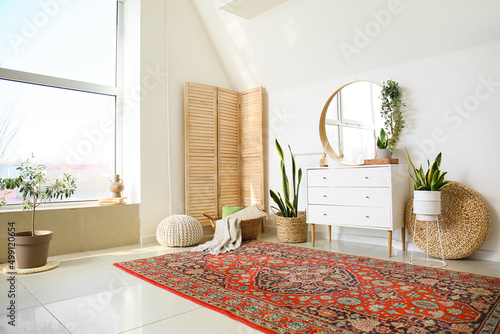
322	128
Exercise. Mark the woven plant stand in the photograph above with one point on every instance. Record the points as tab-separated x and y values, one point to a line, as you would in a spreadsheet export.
465	223
292	230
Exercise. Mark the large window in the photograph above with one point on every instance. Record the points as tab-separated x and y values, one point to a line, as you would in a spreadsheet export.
60	88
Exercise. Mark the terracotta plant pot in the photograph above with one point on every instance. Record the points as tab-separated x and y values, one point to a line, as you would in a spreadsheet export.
426	204
32	251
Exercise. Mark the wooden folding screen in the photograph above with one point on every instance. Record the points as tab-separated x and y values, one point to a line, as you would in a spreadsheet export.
224	160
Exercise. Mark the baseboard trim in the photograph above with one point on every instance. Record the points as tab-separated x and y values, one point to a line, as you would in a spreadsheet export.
148	239
397	244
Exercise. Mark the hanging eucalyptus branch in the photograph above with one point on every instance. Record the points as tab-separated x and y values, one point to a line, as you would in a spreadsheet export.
391	111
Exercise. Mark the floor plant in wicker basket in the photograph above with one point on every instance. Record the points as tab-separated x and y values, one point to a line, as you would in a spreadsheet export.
291	223
32	247
427	188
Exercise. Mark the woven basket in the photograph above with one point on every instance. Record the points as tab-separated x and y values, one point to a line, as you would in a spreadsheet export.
291	230
464	223
250	228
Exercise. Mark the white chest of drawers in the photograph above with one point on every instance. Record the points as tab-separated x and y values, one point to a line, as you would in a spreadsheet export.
372	197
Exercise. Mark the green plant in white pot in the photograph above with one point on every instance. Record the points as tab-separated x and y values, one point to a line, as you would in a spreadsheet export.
32	246
427	188
382	143
291	223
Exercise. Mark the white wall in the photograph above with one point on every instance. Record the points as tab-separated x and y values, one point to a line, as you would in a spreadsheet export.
174	49
191	58
443	54
153	111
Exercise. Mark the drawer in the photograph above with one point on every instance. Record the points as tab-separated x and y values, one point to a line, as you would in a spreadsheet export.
371	197
350	177
349	216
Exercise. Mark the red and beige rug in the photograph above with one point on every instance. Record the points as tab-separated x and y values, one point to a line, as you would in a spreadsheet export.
278	288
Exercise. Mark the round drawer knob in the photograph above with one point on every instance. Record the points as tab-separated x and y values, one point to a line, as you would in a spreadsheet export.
324	177
366	177
324	195
325	214
367	217
367	197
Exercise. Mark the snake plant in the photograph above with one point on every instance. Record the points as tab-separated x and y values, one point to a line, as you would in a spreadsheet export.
382	140
286	204
433	179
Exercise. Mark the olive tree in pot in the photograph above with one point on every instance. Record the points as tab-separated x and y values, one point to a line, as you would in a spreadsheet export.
32	247
290	222
427	189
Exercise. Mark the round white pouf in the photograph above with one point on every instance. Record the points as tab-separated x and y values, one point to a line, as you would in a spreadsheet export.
179	231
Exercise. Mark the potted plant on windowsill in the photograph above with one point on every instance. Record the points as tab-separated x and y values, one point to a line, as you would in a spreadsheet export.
290	222
427	189
391	112
32	246
382	142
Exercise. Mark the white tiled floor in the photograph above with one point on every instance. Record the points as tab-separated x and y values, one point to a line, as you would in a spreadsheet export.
87	294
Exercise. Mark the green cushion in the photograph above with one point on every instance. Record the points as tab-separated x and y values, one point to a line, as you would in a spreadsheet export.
229	210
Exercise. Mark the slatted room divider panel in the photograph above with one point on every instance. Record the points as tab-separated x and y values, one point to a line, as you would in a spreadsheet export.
224	149
200	103
229	148
252	160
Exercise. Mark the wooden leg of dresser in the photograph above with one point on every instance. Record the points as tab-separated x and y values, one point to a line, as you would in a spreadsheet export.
403	238
329	233
313	228
389	241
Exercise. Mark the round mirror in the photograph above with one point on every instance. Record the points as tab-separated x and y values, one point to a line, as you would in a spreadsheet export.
350	122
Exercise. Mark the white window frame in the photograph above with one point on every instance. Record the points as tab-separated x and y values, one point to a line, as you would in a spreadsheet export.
115	90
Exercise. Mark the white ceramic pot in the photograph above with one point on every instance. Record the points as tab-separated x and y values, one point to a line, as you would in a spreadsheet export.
383	153
426	204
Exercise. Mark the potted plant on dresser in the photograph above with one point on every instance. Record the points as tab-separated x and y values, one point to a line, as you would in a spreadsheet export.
32	247
391	113
427	189
382	143
290	222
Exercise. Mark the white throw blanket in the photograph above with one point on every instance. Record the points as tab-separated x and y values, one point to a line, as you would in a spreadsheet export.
227	237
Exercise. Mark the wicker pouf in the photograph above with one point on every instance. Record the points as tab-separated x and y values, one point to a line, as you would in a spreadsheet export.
179	231
464	222
292	230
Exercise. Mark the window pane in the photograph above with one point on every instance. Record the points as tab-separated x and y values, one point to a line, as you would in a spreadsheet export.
69	39
68	131
358	144
333	136
360	103
333	109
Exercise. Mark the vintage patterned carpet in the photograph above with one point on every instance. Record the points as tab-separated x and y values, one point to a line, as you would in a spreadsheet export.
278	288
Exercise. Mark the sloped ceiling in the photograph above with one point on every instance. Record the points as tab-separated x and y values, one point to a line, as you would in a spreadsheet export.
249	9
301	42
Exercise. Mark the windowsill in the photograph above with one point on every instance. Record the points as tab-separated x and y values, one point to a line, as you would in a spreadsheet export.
62	206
